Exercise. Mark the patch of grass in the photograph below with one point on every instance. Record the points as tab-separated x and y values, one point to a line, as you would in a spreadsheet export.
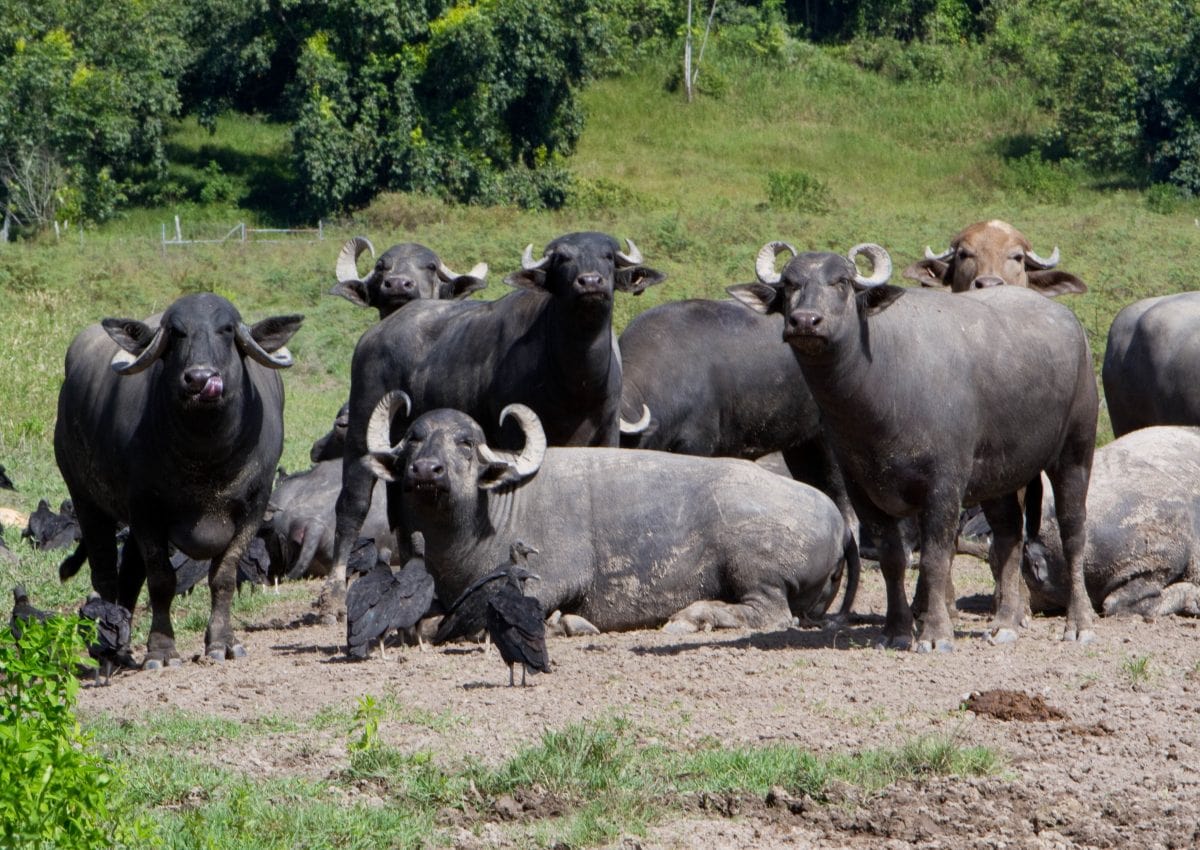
1137	670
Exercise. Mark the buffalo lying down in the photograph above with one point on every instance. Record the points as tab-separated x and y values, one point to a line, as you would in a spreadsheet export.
1143	541
627	539
179	438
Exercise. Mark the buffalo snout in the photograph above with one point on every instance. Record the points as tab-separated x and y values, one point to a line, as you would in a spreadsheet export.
399	286
804	322
591	284
986	281
203	382
426	474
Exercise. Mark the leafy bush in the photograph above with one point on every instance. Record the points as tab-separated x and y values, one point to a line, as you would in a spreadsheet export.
216	186
1163	198
54	790
1038	179
798	190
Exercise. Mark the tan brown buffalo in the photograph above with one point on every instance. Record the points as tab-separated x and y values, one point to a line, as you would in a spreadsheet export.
990	253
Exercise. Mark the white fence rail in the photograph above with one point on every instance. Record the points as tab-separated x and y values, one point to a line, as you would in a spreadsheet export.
241	233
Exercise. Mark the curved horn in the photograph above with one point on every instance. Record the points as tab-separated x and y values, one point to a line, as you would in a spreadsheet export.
280	358
527	261
639	426
530	458
124	363
881	264
1037	262
479	270
632	258
347	261
379	426
764	264
945	255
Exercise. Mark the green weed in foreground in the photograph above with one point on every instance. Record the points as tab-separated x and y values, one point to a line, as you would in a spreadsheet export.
55	789
1137	670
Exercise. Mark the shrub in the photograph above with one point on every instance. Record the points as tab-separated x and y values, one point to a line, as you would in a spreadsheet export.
1038	179
1163	198
54	790
798	190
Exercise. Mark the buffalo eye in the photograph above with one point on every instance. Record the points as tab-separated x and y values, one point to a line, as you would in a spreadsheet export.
178	332
466	445
379	265
225	330
431	266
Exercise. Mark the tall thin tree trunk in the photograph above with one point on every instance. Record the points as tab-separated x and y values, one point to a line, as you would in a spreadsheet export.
687	55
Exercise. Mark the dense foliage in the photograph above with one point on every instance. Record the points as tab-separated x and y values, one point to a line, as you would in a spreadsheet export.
477	100
55	791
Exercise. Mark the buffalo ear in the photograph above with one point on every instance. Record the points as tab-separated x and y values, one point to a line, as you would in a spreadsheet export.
462	286
495	474
928	272
273	333
636	279
1053	282
759	297
876	298
130	334
354	291
534	279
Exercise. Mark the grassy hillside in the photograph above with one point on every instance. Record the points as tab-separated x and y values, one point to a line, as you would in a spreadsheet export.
902	164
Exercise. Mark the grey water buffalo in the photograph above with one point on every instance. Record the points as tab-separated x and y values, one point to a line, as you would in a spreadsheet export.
175	427
626	539
1143	530
933	401
991	253
1151	362
404	273
550	345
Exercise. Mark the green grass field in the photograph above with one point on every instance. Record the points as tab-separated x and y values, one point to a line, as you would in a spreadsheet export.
902	164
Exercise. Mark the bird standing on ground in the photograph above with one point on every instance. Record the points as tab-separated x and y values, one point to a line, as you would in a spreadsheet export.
111	647
23	611
5	481
50	530
468	615
517	625
382	601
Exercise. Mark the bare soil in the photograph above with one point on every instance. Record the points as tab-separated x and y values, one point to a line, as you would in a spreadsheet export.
1100	748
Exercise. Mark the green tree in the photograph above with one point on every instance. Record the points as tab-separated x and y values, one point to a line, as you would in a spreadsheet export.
86	89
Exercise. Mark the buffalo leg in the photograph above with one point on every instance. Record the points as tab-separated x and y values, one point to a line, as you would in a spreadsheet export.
1011	605
98	534
131	575
762	610
219	641
353	502
893	563
160	580
1180	598
939	528
1070	500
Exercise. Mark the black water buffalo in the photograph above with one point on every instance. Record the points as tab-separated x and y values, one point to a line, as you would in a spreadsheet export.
708	378
406	272
549	345
1151	362
178	437
626	539
991	253
332	445
933	401
1143	530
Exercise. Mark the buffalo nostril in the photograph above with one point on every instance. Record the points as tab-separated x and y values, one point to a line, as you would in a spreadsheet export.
195	379
589	281
986	282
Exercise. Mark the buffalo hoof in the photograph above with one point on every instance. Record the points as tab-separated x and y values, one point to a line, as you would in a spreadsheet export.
1002	634
680	627
331	604
1081	636
574	626
900	642
158	662
925	647
221	652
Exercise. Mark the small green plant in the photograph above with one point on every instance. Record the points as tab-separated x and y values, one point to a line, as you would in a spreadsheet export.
55	791
1039	179
798	190
1137	669
215	185
1163	198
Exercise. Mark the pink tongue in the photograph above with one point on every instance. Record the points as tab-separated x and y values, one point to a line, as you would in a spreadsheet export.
213	388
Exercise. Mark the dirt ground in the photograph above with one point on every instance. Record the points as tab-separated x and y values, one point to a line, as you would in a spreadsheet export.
1101	744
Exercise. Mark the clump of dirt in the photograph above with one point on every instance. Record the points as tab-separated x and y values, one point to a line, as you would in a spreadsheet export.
1013	705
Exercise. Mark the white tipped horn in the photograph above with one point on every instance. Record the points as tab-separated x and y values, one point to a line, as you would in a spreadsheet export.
379	426
347	261
527	261
639	426
1037	262
764	264
881	264
945	255
124	363
631	258
529	460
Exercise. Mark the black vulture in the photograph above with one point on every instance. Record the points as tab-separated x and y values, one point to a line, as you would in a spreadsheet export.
188	572
111	647
382	601
363	556
50	530
517	624
5	481
468	615
23	611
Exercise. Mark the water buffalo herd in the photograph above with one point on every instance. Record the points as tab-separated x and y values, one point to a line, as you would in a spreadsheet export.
624	463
